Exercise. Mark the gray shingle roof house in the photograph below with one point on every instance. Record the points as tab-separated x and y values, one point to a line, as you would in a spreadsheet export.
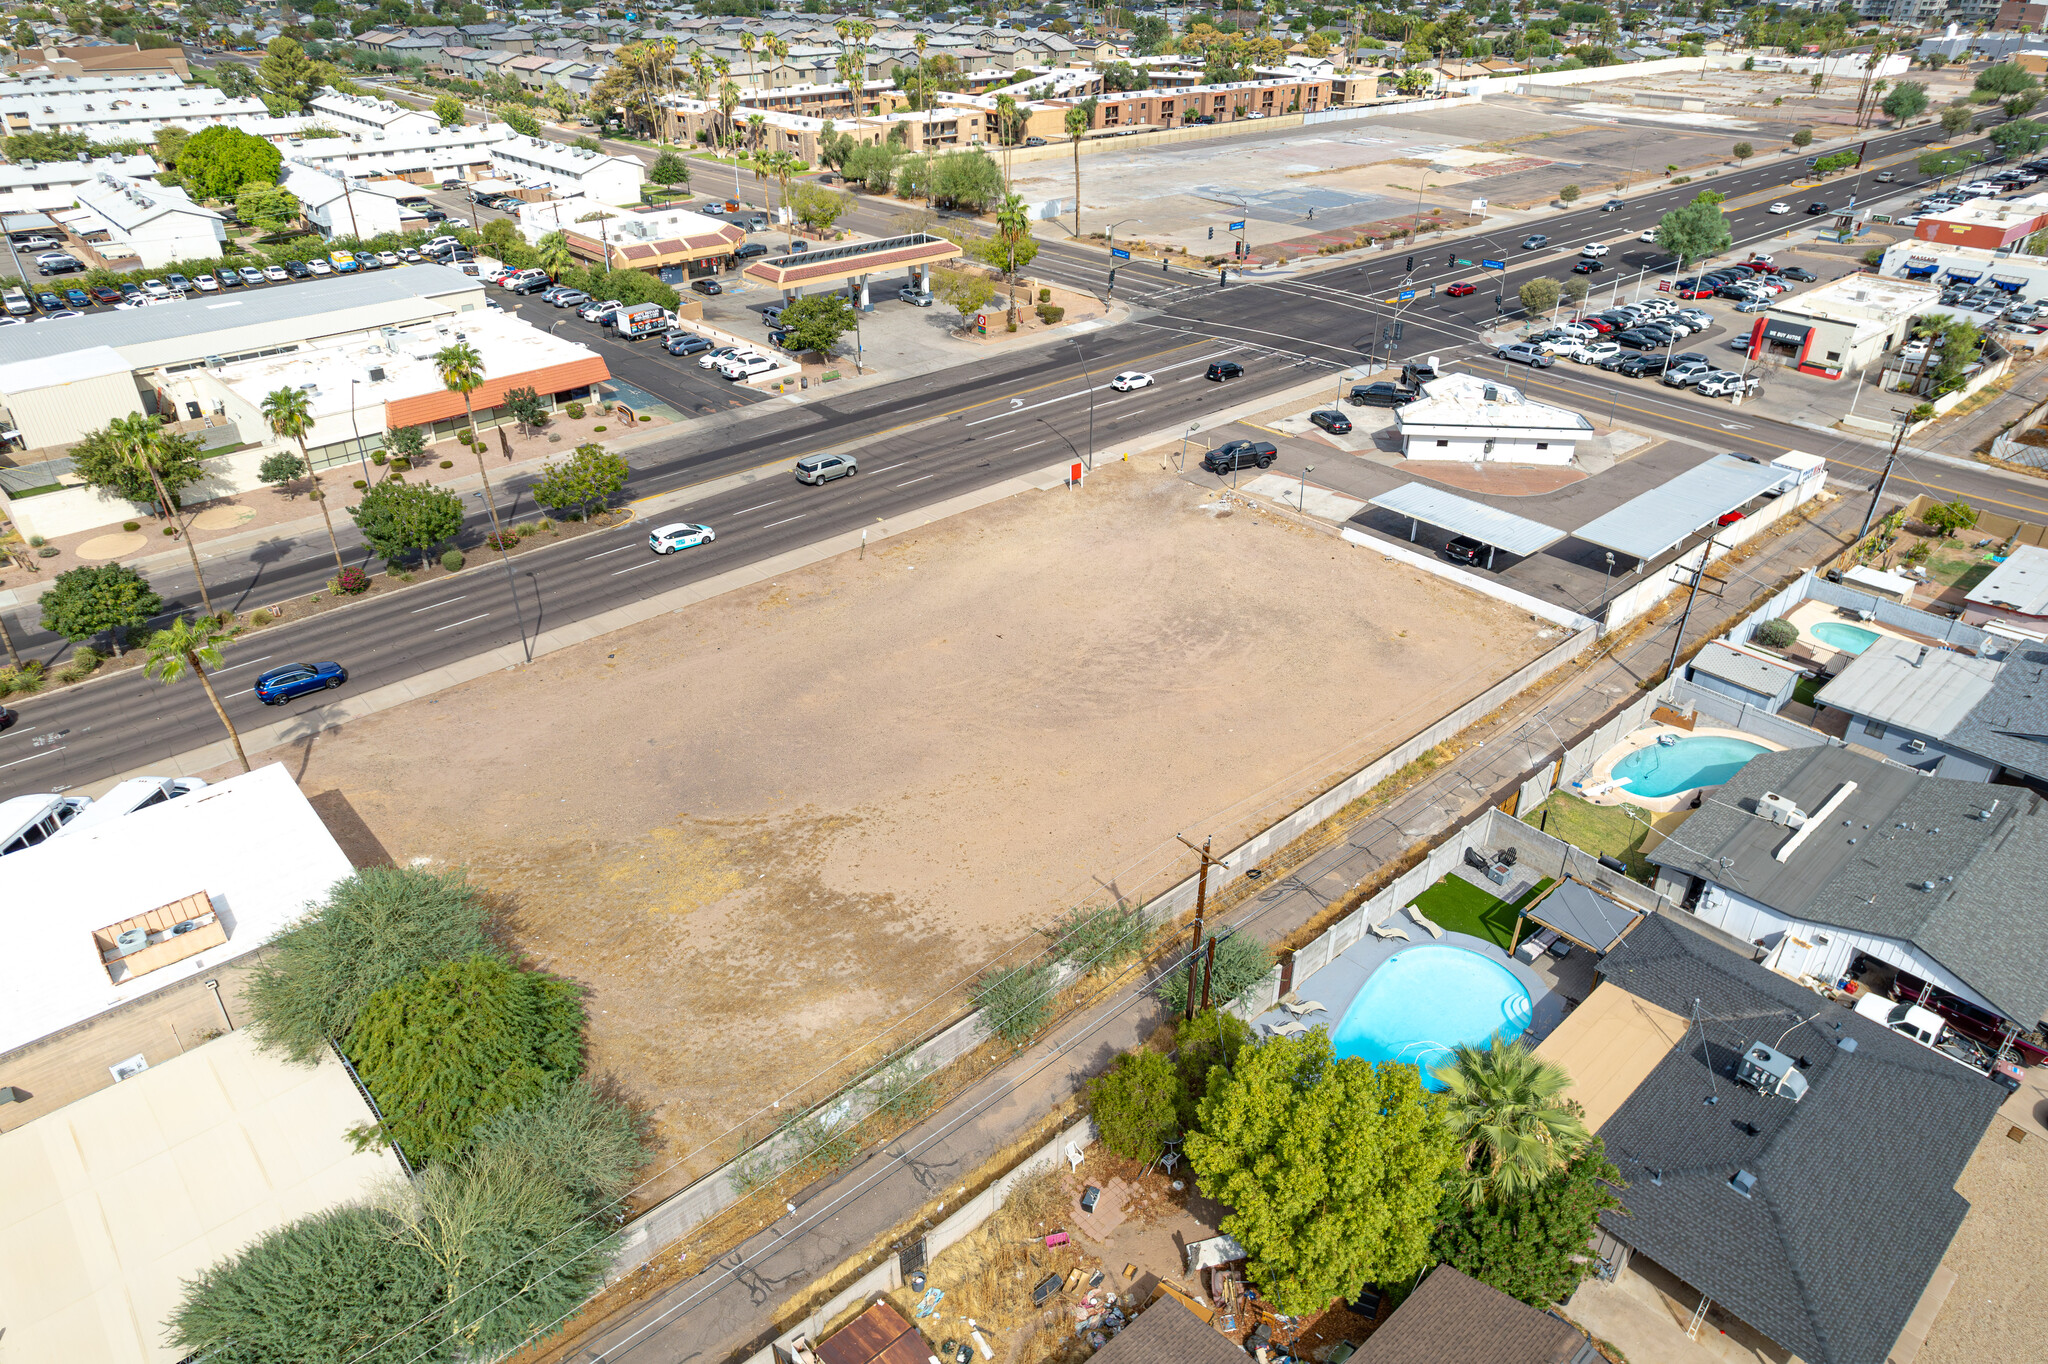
1948	712
1940	878
1167	1333
1818	1222
2010	725
1455	1319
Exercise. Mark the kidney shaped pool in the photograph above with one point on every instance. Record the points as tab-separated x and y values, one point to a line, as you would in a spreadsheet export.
1423	1001
1667	769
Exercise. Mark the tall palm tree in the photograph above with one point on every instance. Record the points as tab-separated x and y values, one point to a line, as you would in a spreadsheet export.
183	647
1013	221
1509	1109
728	102
1079	117
462	371
290	415
140	440
757	124
923	93
783	166
1006	115
747	45
551	253
855	33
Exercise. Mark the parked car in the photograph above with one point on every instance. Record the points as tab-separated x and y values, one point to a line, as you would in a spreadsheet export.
599	310
298	269
1688	374
1638	365
1336	423
749	250
276	686
708	287
1593	352
714	355
1380	394
1794	272
1240	454
1221	370
1524	354
320	267
1726	383
686	343
104	293
1464	549
251	275
817	470
737	367
1130	380
682	535
915	297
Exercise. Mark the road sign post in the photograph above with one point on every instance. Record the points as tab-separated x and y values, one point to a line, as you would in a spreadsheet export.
1119	253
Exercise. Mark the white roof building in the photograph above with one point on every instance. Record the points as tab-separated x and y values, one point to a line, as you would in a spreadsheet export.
340	205
38	186
23	84
239	860
1842	325
111	117
423	154
362	113
153	223
569	171
1477	420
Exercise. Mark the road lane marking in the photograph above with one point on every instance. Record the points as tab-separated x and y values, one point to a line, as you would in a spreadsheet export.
438	605
466	620
919	479
33	756
245	663
637	567
757	506
785	521
1021	449
601	553
887	467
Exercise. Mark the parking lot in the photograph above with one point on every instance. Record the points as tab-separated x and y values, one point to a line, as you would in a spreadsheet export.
676	380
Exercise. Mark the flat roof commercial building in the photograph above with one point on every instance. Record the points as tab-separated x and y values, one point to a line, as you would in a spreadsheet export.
1987	224
1472	419
1842	326
569	171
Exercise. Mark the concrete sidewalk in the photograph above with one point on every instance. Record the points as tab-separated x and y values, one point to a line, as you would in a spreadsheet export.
732	1306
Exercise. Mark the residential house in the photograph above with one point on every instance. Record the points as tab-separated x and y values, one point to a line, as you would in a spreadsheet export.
569	171
2014	595
1910	703
356	115
39	186
1836	864
140	220
335	204
1452	1318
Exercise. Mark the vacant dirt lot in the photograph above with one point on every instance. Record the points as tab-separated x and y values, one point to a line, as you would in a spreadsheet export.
764	830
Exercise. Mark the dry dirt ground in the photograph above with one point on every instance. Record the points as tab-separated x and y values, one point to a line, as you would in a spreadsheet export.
1998	1308
767	828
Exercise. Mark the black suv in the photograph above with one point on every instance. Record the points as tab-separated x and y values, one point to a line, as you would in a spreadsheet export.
1240	454
1381	394
1465	550
1219	370
1636	366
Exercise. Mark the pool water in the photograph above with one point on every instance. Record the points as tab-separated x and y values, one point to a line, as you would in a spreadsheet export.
1423	1001
1665	770
1850	639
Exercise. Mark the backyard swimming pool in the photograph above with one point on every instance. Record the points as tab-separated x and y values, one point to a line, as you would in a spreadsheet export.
1423	1001
1850	639
1665	770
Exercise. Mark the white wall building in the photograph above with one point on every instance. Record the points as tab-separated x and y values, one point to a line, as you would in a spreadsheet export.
423	156
363	114
1477	420
38	186
569	171
154	223
136	117
342	206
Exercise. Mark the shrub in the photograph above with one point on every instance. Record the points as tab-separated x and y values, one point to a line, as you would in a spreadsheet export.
1242	961
575	411
352	582
645	419
600	428
1050	315
260	617
51	551
379	459
1015	1003
1136	1104
359	485
24	681
1101	938
131	525
452	560
1045	295
1777	634
36	542
524	528
502	540
447	464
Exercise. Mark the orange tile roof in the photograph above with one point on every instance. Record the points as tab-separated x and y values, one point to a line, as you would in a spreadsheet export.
442	405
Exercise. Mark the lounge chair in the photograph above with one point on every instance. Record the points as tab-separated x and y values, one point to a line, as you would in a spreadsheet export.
1390	931
1286	1029
1304	1008
1423	921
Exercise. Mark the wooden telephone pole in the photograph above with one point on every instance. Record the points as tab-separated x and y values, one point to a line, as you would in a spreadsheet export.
1201	909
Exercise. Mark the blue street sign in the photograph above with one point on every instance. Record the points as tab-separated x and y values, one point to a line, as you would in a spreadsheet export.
1119	253
1404	296
1237	226
1493	265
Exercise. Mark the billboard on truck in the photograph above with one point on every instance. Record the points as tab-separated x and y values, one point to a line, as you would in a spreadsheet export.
644	319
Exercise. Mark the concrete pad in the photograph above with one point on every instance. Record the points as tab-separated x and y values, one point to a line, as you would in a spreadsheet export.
117	546
1318	502
223	518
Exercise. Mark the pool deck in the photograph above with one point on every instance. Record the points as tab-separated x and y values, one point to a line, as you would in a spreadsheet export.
1549	983
1810	613
1598	784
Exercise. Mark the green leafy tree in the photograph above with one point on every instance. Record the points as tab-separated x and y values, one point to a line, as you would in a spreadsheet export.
338	1287
2020	136
1956	119
406	442
817	208
1531	1244
1136	1104
289	78
1575	290
446	1048
376	928
551	253
1743	151
1242	961
1906	101
1950	517
526	408
586	481
965	291
1964	344
590	1142
218	161
1570	194
1539	295
266	206
1803	138
170	143
1696	231
519	120
1942	165
448	109
280	467
289	414
1836	161
404	520
1332	1168
816	322
1210	1039
102	599
50	147
669	169
186	646
2022	104
1508	1111
2005	78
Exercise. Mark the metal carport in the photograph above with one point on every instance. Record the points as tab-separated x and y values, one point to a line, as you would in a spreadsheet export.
1645	526
1490	526
1582	915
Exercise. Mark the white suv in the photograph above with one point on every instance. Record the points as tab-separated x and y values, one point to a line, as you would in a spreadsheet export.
743	364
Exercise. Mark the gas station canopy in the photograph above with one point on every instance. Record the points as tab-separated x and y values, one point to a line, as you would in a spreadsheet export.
853	260
1488	525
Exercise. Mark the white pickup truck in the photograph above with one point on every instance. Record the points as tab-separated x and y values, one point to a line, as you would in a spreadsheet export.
1926	1027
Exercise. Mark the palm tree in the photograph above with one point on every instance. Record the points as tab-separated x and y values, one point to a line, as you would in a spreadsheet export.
183	646
1013	221
1078	119
551	253
855	32
728	101
924	95
140	439
756	125
462	371
783	166
747	46
291	416
1006	115
1508	1108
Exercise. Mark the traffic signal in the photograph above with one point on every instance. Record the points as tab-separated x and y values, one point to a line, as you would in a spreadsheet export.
1397	332
1411	265
1450	260
1112	282
1212	234
1221	275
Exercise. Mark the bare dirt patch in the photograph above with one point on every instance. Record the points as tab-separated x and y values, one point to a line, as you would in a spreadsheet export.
771	827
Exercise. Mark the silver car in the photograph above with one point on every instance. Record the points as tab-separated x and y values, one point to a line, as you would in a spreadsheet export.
1525	354
818	469
915	297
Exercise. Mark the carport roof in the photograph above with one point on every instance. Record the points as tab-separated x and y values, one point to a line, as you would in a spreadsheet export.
1488	525
27	222
1644	527
1584	915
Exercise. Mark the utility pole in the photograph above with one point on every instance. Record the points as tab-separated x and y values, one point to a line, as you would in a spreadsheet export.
1886	476
1201	910
1706	553
1208	972
7	636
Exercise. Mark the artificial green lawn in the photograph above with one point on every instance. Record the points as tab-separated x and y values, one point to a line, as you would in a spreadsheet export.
1458	906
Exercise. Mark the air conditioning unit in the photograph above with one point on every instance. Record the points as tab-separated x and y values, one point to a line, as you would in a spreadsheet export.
1916	745
1780	810
377	374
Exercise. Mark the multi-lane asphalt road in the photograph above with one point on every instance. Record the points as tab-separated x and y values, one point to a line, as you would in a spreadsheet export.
919	440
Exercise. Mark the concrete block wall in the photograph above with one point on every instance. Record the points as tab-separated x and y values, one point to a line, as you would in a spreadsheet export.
76	509
1741	715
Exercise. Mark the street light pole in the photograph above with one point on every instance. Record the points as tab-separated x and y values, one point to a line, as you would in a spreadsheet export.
1081	359
356	427
1877	494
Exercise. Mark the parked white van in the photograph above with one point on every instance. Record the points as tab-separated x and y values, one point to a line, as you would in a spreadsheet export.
137	793
27	820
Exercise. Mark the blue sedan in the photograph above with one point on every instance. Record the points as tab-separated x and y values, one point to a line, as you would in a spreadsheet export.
294	680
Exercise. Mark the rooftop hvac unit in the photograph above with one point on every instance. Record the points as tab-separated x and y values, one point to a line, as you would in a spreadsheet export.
1916	745
1780	810
1770	1072
376	374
